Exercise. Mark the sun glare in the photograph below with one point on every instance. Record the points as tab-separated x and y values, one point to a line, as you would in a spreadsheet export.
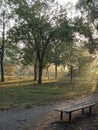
66	1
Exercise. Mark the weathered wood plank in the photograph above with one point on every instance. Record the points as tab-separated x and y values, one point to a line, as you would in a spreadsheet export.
75	107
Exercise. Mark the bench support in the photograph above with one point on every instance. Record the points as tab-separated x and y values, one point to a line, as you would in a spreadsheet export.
82	110
75	108
69	116
61	117
90	109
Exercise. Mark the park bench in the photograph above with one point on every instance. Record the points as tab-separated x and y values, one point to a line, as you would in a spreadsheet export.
75	107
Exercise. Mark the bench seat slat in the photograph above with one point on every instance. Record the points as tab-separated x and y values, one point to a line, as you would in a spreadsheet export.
75	107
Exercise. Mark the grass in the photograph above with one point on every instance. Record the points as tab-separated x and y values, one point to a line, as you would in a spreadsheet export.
15	92
21	91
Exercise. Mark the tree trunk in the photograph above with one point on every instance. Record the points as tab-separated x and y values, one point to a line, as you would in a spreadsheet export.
55	71
2	48
40	72
2	70
2	58
71	73
35	71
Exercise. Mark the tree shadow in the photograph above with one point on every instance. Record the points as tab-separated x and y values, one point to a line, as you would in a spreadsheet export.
80	122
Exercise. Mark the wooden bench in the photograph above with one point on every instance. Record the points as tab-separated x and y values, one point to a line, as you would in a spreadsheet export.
75	107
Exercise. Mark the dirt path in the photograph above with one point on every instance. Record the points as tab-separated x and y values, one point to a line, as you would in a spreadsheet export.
39	117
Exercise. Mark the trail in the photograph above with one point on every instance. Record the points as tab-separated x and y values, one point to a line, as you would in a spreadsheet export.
37	117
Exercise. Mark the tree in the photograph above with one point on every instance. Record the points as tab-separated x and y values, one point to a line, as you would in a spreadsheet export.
31	29
27	53
56	55
4	26
36	28
72	60
90	23
3	22
2	45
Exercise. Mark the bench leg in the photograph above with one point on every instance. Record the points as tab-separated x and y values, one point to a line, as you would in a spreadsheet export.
61	116
82	110
90	109
69	116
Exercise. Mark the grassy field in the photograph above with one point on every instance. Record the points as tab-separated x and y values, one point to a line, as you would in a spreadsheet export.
22	93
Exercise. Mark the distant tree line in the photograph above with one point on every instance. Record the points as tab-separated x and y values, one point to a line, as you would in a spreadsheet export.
42	35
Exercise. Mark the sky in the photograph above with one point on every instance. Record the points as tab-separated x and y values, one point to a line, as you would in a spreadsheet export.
72	12
66	1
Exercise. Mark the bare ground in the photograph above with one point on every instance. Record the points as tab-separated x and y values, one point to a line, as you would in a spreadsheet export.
45	118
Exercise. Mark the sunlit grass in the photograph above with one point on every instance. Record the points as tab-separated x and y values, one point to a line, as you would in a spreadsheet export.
23	93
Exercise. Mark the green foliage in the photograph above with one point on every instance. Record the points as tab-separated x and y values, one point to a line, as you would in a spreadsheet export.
89	1
12	53
65	31
36	30
31	30
89	24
